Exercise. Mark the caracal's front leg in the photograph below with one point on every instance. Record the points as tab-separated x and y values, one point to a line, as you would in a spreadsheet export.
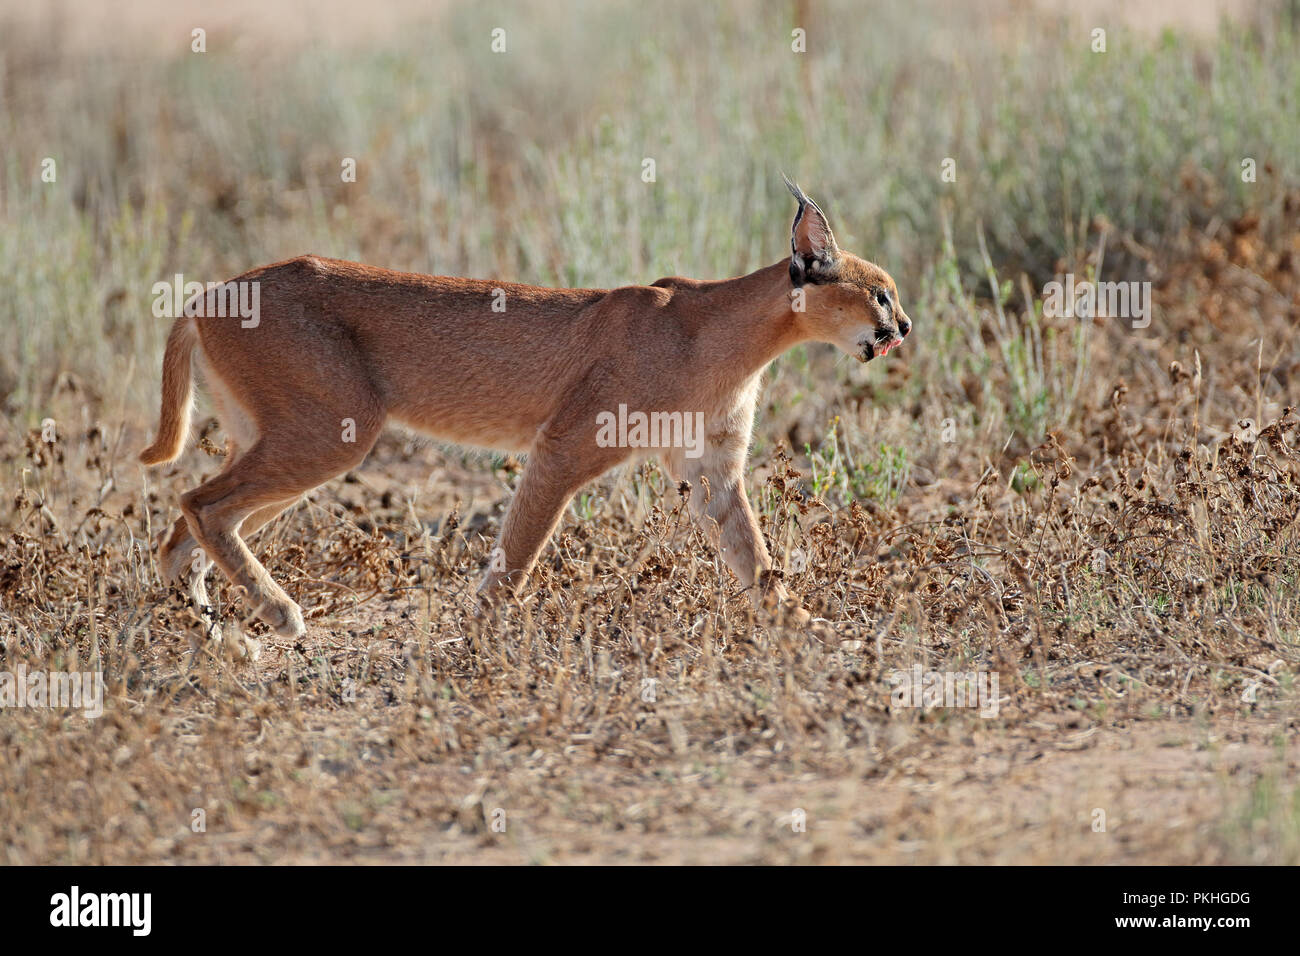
723	509
556	469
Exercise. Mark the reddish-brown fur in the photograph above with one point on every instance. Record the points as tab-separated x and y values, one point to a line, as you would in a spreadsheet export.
340	343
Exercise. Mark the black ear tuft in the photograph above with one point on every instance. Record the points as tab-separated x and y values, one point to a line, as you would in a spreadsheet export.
795	191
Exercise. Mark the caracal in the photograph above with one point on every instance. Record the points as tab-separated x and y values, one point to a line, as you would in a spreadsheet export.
339	348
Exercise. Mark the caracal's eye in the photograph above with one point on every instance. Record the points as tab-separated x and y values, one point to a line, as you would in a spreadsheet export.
883	298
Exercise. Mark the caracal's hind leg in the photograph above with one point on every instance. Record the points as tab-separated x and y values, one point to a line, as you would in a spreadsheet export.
182	558
286	462
184	561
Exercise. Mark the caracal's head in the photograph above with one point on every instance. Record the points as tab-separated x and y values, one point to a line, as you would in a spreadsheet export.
848	302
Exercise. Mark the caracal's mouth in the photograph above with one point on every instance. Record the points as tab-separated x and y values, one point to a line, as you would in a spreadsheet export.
883	347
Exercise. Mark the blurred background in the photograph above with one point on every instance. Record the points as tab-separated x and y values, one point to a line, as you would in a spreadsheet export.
527	164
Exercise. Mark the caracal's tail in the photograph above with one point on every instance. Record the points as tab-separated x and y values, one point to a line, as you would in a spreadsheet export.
177	393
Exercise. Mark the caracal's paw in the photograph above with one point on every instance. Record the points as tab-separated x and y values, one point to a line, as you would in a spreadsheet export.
796	614
283	617
785	612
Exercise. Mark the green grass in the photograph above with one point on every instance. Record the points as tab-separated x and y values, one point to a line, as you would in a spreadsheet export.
878	473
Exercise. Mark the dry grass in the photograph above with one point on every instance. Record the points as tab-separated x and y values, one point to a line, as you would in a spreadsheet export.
1081	509
397	728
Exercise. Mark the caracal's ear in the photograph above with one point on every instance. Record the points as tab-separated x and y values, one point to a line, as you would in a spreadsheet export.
813	252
